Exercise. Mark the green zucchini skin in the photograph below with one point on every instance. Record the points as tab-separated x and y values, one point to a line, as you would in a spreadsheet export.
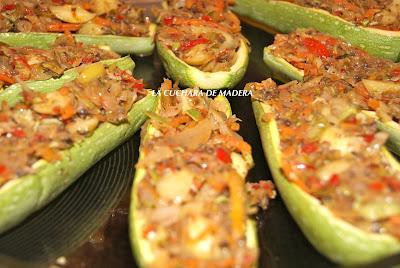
285	72
286	17
190	76
21	197
140	247
140	46
338	240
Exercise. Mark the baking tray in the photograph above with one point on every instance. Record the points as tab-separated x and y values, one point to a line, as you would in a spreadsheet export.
87	226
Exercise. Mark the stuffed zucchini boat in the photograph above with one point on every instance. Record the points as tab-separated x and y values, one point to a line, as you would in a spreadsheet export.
331	168
51	132
200	44
113	23
25	63
375	27
374	83
190	203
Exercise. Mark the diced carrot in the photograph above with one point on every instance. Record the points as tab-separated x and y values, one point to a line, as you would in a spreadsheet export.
199	22
287	170
235	143
300	65
370	12
331	41
237	203
68	112
190	3
307	112
49	154
102	21
301	184
286	131
64	91
7	78
395	220
307	98
315	183
373	103
217	183
234	126
179	120
219	6
63	27
361	90
86	6
289	151
4	117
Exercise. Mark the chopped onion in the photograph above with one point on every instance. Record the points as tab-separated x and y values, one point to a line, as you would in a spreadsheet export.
72	13
192	138
376	88
175	186
91	28
91	72
104	6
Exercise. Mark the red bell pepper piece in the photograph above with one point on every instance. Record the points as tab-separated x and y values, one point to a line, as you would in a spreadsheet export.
334	180
316	47
223	156
9	7
168	21
309	148
369	138
191	43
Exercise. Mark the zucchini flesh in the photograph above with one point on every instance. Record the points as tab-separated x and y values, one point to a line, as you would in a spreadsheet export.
286	17
190	76
286	72
23	196
338	240
141	248
141	46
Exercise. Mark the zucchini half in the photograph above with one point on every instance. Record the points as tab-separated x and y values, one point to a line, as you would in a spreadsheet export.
333	237
140	46
190	76
21	197
140	247
286	72
285	17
